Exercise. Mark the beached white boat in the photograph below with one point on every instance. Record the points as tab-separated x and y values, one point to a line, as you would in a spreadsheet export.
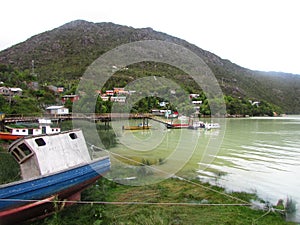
54	168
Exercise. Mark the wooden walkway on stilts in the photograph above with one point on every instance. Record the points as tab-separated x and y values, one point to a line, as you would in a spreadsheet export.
92	117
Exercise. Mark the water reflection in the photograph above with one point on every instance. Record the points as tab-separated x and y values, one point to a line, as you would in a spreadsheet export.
261	155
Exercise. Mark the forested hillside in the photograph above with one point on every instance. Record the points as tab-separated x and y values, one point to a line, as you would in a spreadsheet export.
61	56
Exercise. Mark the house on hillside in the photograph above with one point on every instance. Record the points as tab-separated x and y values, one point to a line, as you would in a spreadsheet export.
60	89
120	99
72	98
57	110
104	98
56	89
163	104
194	96
120	91
34	85
4	91
109	92
15	91
197	102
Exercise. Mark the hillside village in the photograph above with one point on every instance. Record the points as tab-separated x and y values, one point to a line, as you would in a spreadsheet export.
115	95
60	100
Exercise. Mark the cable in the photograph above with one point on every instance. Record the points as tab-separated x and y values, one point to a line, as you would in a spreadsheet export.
125	203
181	178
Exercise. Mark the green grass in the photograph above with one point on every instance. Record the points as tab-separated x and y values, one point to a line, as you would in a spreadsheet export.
168	191
9	168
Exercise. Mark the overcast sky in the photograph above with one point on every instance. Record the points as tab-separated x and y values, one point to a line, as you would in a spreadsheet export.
256	34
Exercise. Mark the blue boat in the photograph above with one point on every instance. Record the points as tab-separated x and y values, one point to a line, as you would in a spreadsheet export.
54	168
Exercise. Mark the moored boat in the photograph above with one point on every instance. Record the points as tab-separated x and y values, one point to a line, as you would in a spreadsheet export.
141	126
177	125
54	167
197	124
16	131
9	136
210	126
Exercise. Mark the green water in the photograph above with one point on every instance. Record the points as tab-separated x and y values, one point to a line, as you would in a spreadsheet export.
260	155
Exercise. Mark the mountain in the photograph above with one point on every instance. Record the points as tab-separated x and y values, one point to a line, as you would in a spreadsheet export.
65	52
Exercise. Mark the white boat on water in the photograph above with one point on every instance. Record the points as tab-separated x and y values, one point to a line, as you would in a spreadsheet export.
210	126
196	125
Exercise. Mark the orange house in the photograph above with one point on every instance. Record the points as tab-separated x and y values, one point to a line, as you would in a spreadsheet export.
72	98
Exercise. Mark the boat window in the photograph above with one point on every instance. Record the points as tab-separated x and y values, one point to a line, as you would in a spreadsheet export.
21	152
73	135
17	154
40	142
25	149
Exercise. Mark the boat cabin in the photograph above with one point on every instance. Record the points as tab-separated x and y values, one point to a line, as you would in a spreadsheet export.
43	127
46	154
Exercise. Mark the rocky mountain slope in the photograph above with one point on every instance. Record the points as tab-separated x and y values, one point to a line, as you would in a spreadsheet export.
65	52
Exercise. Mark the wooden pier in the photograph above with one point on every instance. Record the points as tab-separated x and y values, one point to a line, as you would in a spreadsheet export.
103	117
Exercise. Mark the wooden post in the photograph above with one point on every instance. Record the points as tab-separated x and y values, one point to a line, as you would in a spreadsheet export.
2	115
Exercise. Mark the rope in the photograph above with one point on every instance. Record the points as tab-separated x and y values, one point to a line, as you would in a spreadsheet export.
255	220
181	178
244	203
125	203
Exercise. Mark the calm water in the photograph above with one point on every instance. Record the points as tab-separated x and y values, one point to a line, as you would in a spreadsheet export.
260	155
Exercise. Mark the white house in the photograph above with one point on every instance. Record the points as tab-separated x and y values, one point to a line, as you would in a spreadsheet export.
57	110
104	98
121	99
197	102
194	96
15	91
163	104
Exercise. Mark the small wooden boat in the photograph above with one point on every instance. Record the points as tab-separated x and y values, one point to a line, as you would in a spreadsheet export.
141	126
54	167
177	125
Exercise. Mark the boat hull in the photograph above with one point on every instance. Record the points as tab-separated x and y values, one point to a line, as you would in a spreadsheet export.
26	200
177	126
9	136
136	127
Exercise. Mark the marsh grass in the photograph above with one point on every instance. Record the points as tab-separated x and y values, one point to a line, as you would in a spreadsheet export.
169	191
9	168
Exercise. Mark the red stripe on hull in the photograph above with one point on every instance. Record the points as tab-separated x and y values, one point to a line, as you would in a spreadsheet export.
44	207
9	136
